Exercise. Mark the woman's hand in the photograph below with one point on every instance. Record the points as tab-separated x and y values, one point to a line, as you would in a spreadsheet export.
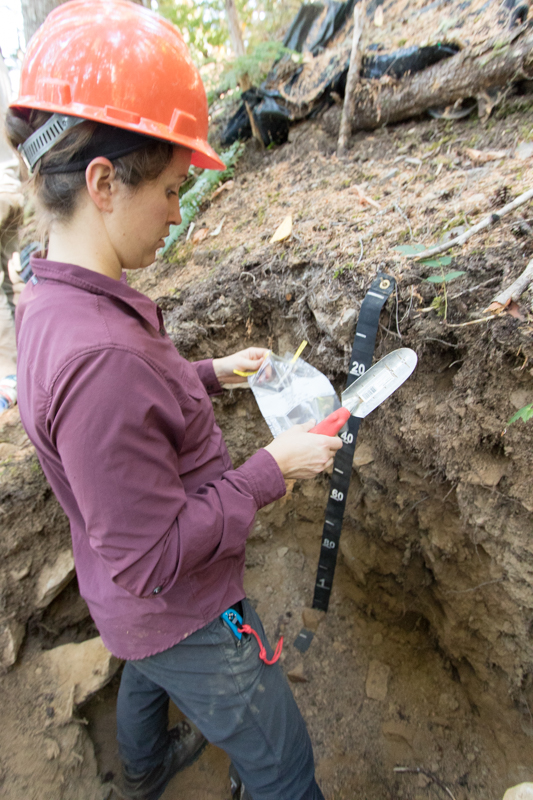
248	360
300	454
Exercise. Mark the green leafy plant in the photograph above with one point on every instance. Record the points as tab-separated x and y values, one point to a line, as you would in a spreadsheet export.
439	262
255	63
439	305
204	25
525	414
206	183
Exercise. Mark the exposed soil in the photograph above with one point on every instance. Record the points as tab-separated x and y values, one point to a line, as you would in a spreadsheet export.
424	659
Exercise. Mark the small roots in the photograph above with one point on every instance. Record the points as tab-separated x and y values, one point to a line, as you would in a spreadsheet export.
428	774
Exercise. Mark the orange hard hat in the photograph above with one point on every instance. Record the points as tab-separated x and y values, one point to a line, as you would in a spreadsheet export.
115	62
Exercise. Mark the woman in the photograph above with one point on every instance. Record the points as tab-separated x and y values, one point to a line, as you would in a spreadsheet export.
110	115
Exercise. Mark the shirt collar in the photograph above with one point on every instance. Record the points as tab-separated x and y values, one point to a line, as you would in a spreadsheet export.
95	283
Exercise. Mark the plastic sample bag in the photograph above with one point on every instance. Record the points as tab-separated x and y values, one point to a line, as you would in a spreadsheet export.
289	392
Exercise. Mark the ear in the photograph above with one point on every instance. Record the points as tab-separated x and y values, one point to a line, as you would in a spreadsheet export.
99	178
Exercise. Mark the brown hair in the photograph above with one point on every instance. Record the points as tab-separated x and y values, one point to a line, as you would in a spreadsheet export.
56	195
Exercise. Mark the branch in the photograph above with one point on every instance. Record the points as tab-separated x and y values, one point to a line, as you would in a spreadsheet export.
514	291
490	220
354	71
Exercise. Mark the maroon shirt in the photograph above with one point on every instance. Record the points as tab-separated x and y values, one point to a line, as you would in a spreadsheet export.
127	438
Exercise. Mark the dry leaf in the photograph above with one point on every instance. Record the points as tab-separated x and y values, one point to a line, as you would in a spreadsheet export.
514	310
284	230
482	156
200	235
225	187
378	17
362	197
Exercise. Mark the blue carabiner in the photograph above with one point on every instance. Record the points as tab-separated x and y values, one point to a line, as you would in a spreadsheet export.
232	618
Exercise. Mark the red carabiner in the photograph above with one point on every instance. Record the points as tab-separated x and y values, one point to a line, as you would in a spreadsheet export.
262	650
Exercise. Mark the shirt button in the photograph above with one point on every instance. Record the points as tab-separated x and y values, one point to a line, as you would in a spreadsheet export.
157	590
162	331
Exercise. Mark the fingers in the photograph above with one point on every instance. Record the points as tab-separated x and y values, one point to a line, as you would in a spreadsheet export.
250	359
254	354
332	442
257	352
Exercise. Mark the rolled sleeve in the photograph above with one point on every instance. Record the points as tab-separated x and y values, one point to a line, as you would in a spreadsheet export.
264	476
206	373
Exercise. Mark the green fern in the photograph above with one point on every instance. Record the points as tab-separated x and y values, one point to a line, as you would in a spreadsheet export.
206	183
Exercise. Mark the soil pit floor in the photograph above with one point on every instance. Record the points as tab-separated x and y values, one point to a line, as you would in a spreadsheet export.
419	715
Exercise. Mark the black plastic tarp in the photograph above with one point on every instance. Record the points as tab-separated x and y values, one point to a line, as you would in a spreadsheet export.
271	119
407	59
301	25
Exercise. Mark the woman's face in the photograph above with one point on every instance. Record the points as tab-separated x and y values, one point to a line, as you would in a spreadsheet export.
141	217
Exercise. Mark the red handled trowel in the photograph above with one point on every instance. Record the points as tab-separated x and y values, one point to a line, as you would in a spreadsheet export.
370	390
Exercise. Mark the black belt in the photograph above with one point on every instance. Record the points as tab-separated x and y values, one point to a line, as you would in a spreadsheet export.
362	353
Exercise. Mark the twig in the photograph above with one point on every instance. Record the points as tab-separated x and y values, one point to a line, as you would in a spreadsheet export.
354	70
474	288
490	220
472	322
362	251
412	508
407	313
428	774
397	321
441	341
256	133
514	291
474	588
406	218
387	330
386	210
363	198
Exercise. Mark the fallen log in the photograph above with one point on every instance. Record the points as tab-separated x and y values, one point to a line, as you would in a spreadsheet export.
474	69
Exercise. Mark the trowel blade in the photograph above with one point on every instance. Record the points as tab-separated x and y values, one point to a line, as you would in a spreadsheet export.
379	382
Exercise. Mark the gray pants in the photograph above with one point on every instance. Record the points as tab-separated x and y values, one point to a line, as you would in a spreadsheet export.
239	703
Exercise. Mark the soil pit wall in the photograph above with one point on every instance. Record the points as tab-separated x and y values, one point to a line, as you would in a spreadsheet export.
439	516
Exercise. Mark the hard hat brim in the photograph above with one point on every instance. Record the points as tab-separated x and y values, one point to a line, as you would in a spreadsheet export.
203	155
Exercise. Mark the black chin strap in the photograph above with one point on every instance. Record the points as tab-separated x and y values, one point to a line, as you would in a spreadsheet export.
107	141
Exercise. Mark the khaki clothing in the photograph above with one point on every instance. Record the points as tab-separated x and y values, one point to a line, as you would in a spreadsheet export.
10	210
